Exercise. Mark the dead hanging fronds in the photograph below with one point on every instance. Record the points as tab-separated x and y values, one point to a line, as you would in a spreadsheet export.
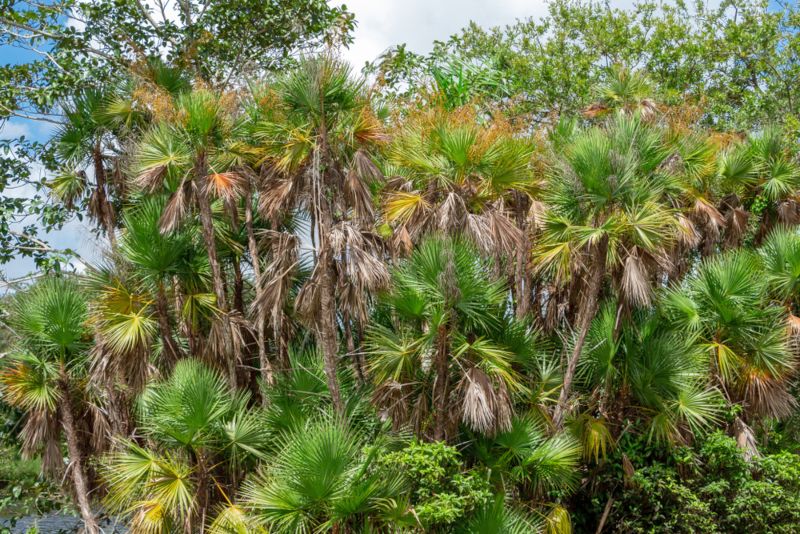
228	186
789	212
635	285
745	439
767	395
276	278
507	236
478	230
360	255
736	226
275	196
485	407
688	235
41	435
152	179
357	185
451	215
178	207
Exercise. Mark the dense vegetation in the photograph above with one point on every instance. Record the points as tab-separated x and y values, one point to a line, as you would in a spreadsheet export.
546	278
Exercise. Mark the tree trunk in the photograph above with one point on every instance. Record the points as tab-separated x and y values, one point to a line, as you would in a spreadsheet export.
263	360
440	392
207	222
79	478
326	331
351	349
585	316
106	209
171	349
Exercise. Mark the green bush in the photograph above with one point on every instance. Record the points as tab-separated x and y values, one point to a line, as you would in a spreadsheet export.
443	490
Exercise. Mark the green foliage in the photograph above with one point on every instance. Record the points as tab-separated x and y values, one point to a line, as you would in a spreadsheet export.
444	491
723	493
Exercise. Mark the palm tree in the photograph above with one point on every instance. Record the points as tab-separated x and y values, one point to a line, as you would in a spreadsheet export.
189	154
314	136
609	209
80	145
452	175
781	256
46	377
156	257
647	371
201	437
445	333
323	477
725	307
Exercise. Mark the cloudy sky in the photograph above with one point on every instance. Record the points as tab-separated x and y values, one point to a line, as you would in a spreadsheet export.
381	24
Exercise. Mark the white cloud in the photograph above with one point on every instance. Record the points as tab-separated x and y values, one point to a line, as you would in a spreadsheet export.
11	129
418	23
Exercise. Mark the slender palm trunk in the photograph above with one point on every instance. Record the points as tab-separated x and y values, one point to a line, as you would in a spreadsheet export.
106	209
207	223
323	221
79	478
327	332
351	349
171	349
441	388
585	316
263	359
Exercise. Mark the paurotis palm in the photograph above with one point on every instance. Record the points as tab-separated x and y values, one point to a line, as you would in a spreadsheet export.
645	370
323	478
725	306
609	210
440	355
200	438
314	133
47	377
189	154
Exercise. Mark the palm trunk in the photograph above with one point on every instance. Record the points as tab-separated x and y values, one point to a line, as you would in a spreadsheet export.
326	332
107	210
79	478
207	222
351	349
263	359
171	350
585	316
440	392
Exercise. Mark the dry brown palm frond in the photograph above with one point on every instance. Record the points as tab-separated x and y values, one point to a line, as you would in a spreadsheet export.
736	226
178	206
793	322
308	301
392	398
274	197
745	439
226	185
484	409
152	179
687	232
359	196
41	435
789	212
635	282
276	278
536	213
451	214
709	213
360	255
507	236
401	241
766	395
478	230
